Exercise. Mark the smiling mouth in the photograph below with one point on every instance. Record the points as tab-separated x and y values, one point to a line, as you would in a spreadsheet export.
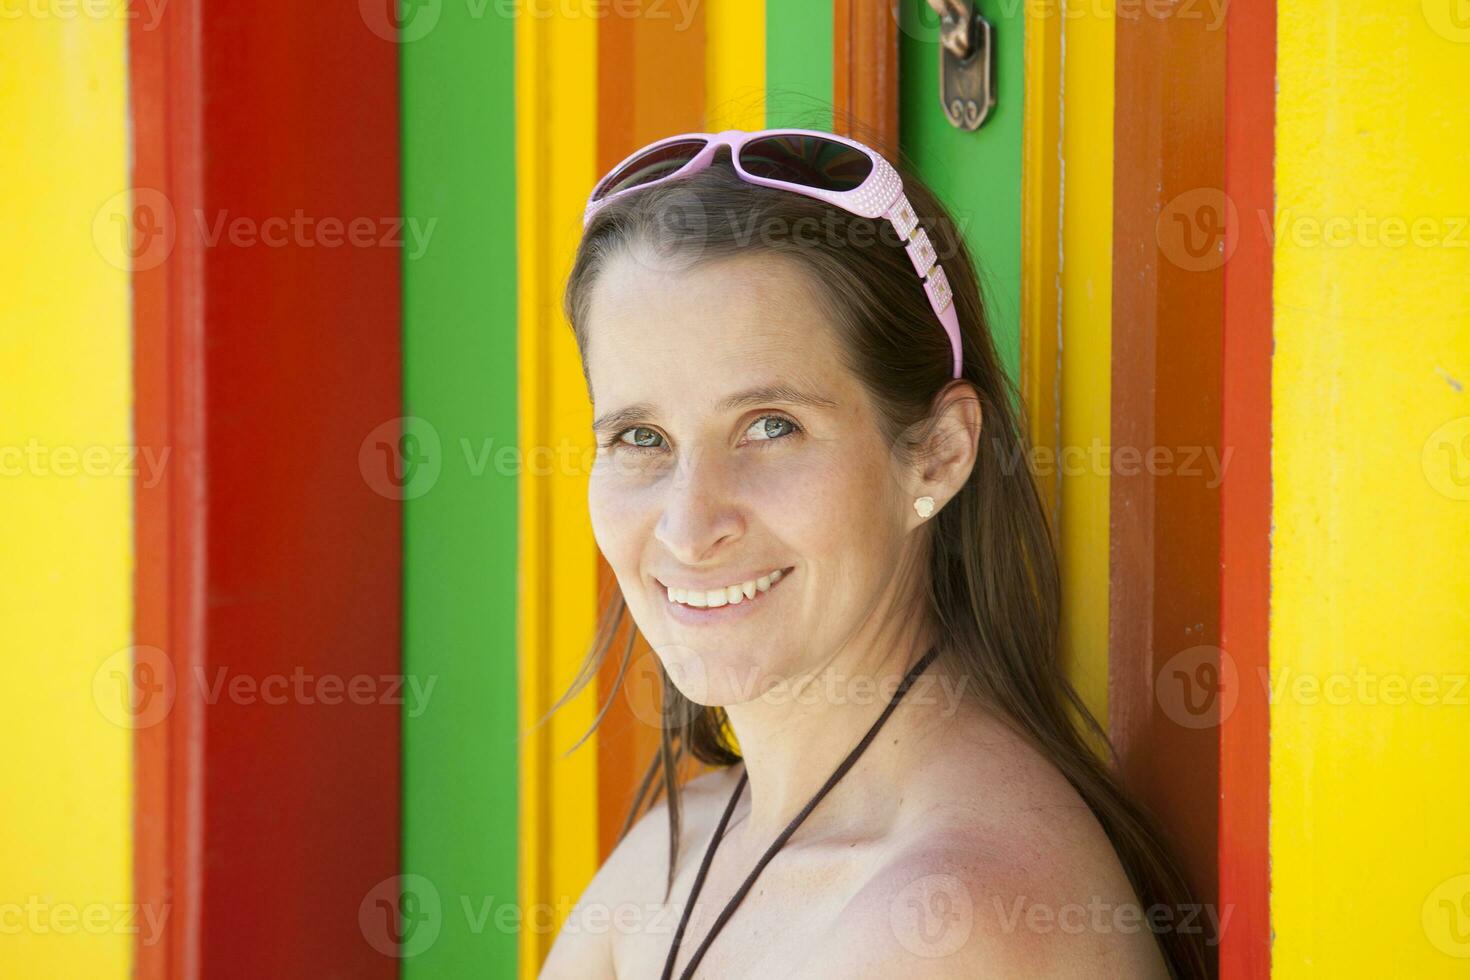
713	600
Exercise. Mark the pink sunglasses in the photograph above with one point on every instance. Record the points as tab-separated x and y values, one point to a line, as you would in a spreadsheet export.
830	168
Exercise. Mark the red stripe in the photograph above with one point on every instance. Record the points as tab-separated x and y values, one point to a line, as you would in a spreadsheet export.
264	358
1250	105
169	512
1166	382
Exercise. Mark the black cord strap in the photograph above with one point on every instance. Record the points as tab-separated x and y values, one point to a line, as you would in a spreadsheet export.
785	835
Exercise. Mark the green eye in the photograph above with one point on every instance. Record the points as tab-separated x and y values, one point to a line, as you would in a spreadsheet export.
642	437
769	428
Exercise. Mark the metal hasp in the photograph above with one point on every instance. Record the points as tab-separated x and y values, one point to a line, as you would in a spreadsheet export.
966	63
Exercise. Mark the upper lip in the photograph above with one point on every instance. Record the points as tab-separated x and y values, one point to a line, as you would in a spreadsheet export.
725	583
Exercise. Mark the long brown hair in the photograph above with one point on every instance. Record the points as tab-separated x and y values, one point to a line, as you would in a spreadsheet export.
995	590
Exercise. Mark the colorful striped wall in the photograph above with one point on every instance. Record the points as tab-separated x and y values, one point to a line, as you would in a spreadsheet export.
294	452
1370	607
1078	372
461	753
66	494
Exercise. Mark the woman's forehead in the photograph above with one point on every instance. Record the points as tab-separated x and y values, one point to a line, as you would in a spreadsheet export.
708	330
751	287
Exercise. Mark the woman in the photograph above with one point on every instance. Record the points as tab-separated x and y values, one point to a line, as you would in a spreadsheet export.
809	485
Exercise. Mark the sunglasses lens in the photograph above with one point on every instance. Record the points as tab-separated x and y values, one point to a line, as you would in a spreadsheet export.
658	162
807	160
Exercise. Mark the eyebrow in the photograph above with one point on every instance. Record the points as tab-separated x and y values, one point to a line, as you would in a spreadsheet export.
759	395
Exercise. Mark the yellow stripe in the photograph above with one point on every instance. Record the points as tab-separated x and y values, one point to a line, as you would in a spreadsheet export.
556	142
1086	348
66	496
1040	245
1370	608
734	81
735	64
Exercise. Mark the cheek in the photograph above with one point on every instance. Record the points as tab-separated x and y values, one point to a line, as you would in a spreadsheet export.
621	509
827	504
607	508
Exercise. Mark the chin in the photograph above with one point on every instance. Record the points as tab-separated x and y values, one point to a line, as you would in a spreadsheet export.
712	676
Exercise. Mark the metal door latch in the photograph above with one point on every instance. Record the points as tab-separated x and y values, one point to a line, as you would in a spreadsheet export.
966	63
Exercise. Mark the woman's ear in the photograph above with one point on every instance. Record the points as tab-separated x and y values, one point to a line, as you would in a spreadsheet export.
950	444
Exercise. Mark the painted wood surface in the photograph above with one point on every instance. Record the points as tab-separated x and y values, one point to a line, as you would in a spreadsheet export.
67	465
798	63
460	404
1164	544
651	84
1370	859
165	104
1084	361
1245	495
556	164
735	65
1041	251
977	174
865	72
276	353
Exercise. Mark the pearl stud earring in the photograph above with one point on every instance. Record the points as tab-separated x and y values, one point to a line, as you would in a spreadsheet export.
925	506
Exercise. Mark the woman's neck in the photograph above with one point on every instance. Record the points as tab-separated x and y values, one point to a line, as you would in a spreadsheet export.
793	737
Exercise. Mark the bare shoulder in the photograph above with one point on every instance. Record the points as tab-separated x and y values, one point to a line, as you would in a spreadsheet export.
1017	879
632	879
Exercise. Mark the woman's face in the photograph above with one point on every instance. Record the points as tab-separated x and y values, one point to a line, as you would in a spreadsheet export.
734	445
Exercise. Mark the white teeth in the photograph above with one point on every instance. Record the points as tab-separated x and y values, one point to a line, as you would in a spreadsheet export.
729	595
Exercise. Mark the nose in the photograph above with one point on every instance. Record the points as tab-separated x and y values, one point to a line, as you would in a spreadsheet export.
700	515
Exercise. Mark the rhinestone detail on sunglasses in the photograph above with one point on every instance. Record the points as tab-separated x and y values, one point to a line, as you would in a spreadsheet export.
879	195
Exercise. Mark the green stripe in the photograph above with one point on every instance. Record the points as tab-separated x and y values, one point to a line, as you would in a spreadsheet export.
799	64
978	175
459	335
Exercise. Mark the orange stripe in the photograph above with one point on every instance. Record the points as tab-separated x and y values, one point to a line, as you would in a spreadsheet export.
1245	494
1165	570
865	74
650	85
